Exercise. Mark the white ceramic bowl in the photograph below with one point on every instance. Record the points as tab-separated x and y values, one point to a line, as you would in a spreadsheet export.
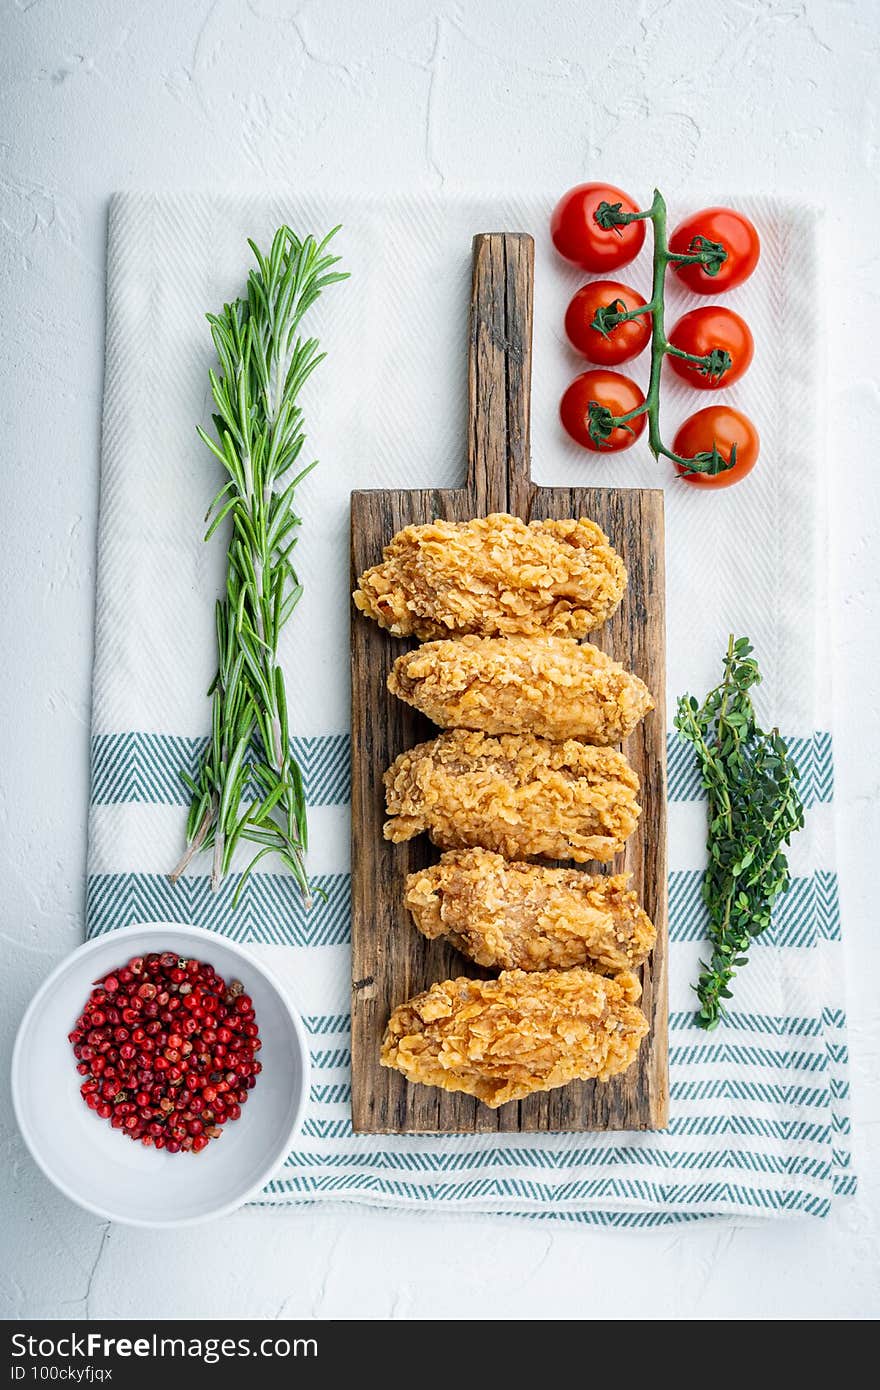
100	1168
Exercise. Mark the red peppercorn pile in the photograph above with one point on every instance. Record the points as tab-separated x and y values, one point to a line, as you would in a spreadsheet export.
168	1050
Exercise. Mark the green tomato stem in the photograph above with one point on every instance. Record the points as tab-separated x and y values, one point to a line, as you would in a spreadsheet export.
607	317
713	365
659	342
686	356
635	314
631	415
611	215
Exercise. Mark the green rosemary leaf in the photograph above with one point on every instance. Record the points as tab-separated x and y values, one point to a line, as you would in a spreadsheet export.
281	700
215	449
246	875
220	517
290	603
262	809
754	809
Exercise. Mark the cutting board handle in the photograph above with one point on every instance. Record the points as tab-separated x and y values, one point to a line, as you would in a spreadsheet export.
500	372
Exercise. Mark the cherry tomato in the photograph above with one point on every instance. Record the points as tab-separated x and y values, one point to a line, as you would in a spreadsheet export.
723	426
703	332
578	237
734	232
616	344
596	394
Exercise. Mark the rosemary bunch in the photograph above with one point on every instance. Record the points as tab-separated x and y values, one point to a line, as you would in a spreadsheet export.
754	808
263	365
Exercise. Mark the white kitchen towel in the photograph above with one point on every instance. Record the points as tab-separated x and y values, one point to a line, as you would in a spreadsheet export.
758	1119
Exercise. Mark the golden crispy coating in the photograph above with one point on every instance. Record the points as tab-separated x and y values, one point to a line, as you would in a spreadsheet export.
529	917
517	794
551	686
502	1039
494	575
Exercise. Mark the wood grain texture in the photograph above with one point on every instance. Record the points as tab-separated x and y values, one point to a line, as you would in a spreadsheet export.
391	960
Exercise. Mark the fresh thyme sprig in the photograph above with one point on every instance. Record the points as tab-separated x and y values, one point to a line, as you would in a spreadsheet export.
754	808
264	363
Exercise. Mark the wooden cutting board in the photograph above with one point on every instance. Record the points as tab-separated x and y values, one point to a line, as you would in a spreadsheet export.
391	960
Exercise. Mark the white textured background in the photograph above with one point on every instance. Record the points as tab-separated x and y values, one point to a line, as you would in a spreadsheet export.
774	96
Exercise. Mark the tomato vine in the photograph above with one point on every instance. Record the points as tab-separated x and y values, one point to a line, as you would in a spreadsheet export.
711	255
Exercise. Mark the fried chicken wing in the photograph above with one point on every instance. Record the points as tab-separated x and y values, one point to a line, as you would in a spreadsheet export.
502	1039
494	575
551	686
517	794
529	917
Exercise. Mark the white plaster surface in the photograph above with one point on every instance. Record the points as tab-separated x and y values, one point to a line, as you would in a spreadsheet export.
96	95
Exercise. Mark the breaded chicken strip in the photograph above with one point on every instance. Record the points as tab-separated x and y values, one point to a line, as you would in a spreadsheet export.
551	686
528	917
496	575
502	1039
517	794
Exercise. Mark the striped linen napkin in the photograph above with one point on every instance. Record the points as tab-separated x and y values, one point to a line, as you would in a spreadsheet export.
758	1118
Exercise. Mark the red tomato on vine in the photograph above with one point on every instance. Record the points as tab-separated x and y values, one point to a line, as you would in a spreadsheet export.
590	325
579	237
728	231
593	401
725	429
719	336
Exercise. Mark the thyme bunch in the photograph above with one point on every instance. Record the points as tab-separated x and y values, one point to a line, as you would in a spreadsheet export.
754	808
264	362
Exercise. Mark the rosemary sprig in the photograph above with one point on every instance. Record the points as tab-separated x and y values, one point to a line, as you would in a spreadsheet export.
754	808
264	363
